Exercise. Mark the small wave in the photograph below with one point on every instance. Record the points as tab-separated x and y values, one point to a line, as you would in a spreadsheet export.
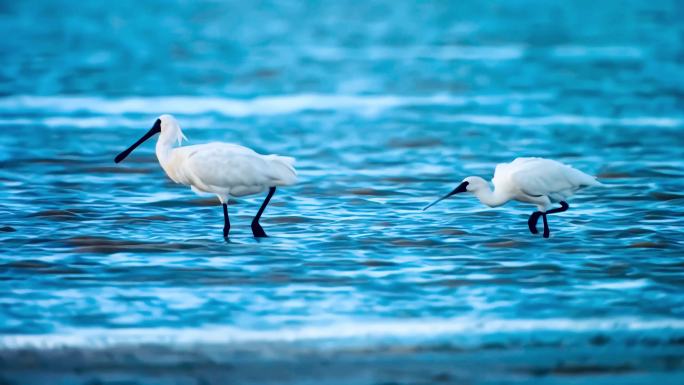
483	120
566	120
447	52
365	332
265	105
618	285
598	52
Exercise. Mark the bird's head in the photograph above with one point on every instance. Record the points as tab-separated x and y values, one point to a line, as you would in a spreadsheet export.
471	184
170	129
166	125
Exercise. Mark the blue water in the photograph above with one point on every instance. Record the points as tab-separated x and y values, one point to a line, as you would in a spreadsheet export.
386	106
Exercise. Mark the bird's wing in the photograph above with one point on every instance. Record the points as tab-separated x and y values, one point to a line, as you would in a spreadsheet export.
503	172
538	176
226	165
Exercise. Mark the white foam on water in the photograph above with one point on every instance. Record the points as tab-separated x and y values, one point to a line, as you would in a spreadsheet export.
482	120
265	105
443	52
53	111
339	331
565	120
598	52
618	285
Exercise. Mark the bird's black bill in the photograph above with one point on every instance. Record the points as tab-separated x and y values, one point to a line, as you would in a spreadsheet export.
461	188
154	130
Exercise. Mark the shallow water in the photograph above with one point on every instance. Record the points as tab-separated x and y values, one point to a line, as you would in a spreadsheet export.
386	107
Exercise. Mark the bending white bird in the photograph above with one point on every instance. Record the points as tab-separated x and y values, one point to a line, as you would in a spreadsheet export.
224	169
538	181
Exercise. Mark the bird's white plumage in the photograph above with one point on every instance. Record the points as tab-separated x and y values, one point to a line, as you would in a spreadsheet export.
224	169
539	177
538	181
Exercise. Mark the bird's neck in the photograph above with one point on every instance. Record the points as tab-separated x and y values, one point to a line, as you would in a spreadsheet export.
491	198
165	144
163	151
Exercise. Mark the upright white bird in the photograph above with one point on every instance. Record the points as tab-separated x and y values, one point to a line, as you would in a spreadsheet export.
538	181
224	169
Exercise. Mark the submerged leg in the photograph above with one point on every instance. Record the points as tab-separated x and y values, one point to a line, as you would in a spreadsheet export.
532	222
257	230
547	232
226	222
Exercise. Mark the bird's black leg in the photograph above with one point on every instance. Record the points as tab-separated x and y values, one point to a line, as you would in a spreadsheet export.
257	230
547	232
532	222
226	222
564	207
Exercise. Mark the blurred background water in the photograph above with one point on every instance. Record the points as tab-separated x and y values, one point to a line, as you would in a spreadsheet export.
113	274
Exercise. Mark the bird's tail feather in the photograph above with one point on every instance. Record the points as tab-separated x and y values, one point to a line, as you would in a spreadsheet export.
593	181
284	171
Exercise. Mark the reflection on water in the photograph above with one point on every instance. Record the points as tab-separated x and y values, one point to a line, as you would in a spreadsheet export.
384	112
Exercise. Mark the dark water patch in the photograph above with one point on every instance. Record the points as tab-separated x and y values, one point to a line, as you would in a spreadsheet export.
361	202
403	179
415	143
666	196
555	268
40	267
103	245
452	282
118	270
451	232
633	232
57	215
485	213
28	264
87	264
614	175
660	173
647	245
7	229
155	218
377	263
579	369
658	215
293	219
633	197
407	242
63	271
599	340
137	159
505	244
198	269
117	170
619	270
149	218
64	185
374	192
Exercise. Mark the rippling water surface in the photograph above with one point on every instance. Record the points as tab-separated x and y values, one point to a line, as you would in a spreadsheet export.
110	272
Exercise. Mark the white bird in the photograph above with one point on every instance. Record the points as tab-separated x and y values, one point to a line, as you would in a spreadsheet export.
538	181
224	169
